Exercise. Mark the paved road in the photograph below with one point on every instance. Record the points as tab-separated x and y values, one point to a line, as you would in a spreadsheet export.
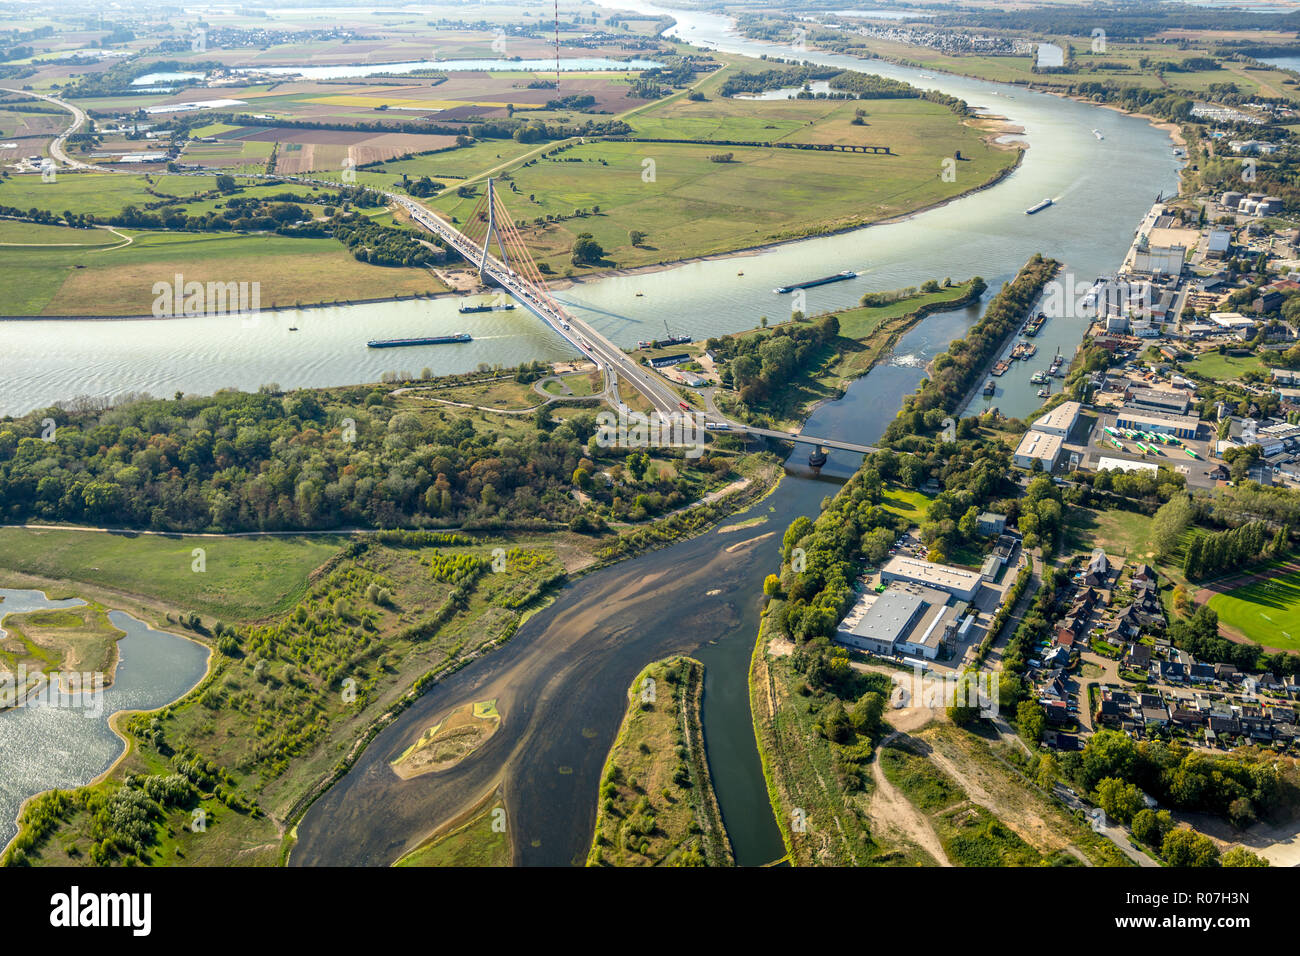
56	147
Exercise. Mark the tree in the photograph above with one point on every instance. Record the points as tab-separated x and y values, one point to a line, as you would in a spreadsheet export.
771	585
1240	856
1030	720
1049	769
1121	801
869	712
834	723
1184	847
636	236
586	250
1150	826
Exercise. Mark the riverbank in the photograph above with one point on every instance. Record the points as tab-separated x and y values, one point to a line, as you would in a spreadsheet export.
867	334
761	248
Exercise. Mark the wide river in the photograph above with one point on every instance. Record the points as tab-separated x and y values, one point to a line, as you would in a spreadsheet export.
1102	188
561	682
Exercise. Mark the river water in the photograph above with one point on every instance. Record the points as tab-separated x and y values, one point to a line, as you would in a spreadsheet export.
66	742
561	682
1102	188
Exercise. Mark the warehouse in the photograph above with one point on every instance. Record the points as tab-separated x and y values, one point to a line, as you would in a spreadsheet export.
1162	423
1039	447
1060	420
958	582
1158	400
875	623
918	622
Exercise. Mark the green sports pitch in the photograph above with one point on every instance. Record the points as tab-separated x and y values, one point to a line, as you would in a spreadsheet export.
1265	611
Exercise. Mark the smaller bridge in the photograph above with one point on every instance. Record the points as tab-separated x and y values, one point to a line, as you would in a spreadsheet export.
807	439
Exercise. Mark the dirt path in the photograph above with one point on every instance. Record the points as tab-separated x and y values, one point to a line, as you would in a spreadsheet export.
891	811
1003	798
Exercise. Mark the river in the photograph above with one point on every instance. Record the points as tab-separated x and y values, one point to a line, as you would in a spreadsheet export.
561	682
67	742
986	233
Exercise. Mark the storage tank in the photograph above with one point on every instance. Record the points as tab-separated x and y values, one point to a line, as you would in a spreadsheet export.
1232	199
1248	206
1270	206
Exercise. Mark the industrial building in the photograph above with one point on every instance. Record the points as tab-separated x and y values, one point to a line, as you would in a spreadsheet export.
1162	423
917	623
1036	446
1159	260
1220	241
959	582
1060	420
1157	400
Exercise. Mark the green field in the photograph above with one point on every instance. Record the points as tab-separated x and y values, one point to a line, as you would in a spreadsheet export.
477	843
119	281
245	578
1267	612
100	194
37	234
1223	368
687	204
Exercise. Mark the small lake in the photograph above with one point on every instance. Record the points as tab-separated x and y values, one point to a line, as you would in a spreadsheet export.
47	746
786	92
1282	62
454	66
151	78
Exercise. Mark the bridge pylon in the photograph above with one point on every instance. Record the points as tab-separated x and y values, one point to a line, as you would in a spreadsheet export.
492	231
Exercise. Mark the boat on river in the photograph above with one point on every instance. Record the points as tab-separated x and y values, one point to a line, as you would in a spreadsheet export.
813	283
422	340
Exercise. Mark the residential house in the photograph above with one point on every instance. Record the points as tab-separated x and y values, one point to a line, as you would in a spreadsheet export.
1138	657
1097	573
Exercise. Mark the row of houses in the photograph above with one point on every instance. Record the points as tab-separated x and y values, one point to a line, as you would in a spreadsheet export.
1213	718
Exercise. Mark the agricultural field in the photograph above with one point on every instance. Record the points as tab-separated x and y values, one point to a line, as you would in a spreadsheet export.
696	206
119	281
1265	611
14	233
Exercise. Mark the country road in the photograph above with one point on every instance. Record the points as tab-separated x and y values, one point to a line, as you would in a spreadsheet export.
56	146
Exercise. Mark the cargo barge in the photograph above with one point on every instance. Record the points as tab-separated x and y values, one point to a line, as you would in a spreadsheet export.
824	280
466	309
1000	366
1033	325
424	340
1038	207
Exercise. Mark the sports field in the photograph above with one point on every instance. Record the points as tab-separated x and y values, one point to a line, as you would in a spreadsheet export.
1266	611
